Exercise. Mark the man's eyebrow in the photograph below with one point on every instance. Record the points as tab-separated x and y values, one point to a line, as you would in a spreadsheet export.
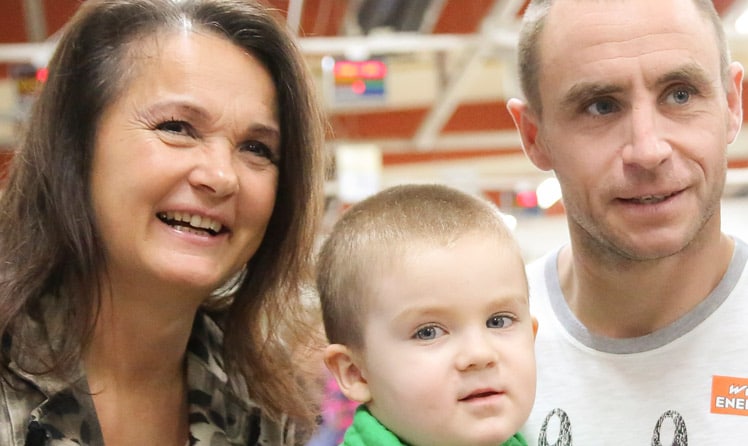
583	92
691	73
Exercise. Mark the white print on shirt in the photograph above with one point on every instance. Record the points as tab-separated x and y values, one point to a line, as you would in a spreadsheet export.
729	395
680	434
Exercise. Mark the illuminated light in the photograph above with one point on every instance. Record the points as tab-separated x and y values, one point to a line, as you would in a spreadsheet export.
355	81
548	193
527	199
346	70
328	63
358	87
42	74
741	23
369	69
373	69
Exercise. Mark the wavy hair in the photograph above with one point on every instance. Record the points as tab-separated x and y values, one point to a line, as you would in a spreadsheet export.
49	242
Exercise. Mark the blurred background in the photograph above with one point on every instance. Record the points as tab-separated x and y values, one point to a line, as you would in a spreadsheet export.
415	91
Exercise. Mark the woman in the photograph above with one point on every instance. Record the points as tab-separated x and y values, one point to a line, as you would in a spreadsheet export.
156	230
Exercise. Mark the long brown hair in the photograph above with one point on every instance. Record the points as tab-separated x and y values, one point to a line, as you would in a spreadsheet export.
49	242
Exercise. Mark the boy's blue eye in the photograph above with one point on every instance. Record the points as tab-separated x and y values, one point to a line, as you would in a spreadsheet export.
499	321
428	333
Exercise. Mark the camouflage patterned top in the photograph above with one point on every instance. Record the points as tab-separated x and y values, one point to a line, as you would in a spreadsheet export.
40	410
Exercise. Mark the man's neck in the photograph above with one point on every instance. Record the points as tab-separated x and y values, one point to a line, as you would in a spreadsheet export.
624	299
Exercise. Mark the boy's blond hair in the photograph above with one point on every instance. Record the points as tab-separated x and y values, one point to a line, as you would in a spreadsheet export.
373	234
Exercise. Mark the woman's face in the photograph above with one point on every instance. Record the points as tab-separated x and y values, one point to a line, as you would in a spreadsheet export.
185	170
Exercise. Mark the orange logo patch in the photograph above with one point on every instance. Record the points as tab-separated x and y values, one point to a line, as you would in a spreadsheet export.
730	395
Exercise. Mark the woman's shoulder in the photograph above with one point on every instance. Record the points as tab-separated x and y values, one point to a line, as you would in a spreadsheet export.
18	399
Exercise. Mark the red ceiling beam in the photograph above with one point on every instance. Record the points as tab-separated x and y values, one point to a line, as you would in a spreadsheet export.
462	17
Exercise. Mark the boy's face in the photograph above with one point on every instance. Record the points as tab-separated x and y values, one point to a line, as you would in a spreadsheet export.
449	344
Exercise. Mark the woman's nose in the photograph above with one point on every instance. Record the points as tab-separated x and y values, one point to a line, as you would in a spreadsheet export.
215	172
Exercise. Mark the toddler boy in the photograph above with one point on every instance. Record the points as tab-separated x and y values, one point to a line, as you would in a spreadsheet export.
425	305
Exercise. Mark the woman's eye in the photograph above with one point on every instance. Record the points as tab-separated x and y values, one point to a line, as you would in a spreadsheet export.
177	127
428	333
259	149
602	107
499	321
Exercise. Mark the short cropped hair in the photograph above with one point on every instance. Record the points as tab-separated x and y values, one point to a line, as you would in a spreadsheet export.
529	50
370	237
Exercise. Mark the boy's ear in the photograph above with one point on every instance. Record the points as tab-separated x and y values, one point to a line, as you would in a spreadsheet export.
342	363
527	125
534	327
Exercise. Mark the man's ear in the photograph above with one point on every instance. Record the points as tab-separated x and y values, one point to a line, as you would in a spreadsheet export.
527	126
735	101
343	364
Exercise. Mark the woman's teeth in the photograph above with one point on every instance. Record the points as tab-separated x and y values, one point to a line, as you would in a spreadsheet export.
188	221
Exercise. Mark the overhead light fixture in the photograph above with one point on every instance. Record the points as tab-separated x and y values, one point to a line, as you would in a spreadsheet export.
741	23
548	193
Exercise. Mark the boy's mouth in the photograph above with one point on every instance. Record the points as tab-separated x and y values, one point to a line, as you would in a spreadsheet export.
481	393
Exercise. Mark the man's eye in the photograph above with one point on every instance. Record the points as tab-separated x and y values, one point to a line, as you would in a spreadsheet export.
428	333
499	321
680	96
602	107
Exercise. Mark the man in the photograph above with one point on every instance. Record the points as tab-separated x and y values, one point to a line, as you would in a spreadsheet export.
632	104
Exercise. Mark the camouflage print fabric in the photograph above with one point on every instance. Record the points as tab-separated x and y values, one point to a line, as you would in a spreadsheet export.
40	410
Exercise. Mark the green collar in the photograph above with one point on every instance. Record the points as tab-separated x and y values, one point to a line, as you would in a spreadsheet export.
368	431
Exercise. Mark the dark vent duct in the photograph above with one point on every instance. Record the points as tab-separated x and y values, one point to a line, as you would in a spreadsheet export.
396	15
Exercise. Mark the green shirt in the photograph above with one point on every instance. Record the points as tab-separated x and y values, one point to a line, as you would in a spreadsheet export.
368	431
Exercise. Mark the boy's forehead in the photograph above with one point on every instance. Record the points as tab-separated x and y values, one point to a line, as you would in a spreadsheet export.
405	261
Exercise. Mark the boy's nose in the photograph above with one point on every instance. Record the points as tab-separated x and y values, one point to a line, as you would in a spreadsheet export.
476	352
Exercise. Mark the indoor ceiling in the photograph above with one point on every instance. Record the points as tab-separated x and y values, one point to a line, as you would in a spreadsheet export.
440	112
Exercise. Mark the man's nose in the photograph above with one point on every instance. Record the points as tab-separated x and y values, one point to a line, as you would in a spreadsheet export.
646	146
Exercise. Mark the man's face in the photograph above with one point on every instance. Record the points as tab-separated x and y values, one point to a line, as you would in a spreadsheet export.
635	122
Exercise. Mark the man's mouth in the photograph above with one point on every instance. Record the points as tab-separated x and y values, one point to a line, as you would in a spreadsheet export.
192	223
649	199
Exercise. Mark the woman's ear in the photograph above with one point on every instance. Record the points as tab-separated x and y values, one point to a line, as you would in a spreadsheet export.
527	125
344	366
